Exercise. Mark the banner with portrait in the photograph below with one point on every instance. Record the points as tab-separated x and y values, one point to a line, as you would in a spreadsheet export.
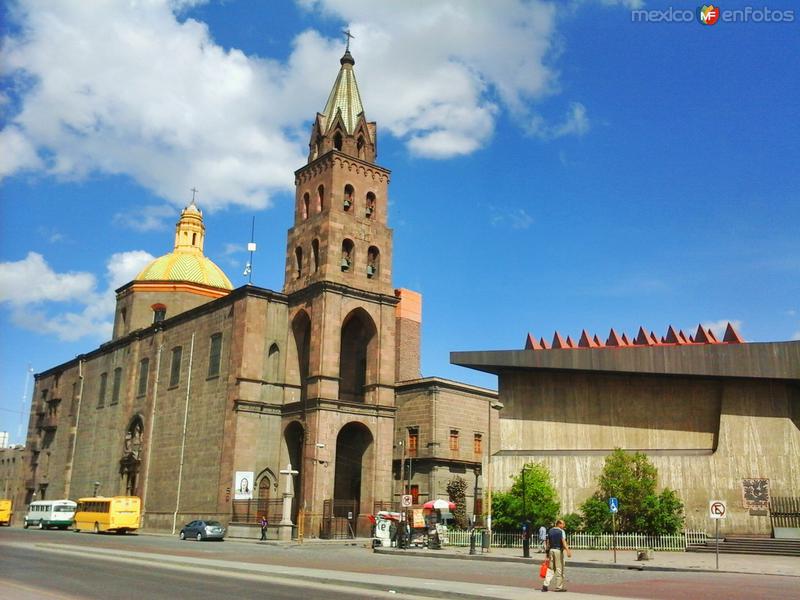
243	485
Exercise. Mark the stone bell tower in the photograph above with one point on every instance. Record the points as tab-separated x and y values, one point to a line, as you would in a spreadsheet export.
338	422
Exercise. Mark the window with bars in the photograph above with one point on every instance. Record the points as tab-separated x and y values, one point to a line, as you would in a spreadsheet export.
117	384
101	394
477	444
454	440
413	441
215	355
144	368
175	367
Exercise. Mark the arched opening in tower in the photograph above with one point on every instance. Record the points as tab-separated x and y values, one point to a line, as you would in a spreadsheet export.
355	353
354	450
301	328
294	437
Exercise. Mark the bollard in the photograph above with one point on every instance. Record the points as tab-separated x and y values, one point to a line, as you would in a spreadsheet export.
526	547
472	541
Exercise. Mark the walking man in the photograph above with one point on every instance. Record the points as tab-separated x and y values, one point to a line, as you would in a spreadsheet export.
264	525
542	539
557	547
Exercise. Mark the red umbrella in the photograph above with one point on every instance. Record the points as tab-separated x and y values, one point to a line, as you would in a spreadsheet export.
439	504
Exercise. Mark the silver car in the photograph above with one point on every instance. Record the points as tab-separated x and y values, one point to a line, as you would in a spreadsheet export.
203	530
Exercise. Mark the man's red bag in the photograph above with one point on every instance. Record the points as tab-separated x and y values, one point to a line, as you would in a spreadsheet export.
544	567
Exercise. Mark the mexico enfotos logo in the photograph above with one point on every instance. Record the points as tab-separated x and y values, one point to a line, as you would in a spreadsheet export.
712	14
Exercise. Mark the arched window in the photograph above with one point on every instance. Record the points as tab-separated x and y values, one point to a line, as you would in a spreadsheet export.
370	210
273	363
315	252
348	254
348	197
194	239
320	198
360	147
306	202
373	261
337	140
298	259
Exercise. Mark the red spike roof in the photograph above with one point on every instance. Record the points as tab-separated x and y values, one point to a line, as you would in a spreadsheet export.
732	336
672	337
643	338
558	341
531	343
614	339
586	341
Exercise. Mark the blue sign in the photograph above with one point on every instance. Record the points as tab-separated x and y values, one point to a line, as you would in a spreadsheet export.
613	505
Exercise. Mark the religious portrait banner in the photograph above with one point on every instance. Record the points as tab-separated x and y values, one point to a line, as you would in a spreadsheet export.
243	485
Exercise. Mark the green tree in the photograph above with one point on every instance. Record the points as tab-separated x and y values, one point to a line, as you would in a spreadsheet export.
457	490
632	479
532	497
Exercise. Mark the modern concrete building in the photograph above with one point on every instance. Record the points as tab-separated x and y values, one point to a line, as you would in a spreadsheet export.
719	419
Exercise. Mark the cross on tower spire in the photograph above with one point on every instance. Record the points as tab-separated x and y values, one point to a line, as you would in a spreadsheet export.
194	191
348	37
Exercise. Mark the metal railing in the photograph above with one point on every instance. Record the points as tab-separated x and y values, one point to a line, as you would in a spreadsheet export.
590	541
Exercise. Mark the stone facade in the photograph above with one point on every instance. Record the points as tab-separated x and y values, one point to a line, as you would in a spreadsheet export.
200	383
12	484
442	431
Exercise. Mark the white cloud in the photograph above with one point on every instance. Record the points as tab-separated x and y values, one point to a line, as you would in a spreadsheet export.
576	122
718	327
516	218
136	91
32	280
67	305
148	218
796	335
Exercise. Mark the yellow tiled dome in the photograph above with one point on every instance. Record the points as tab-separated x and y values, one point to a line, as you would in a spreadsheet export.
179	266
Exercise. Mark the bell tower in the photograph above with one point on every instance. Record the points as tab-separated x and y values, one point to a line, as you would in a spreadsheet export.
341	344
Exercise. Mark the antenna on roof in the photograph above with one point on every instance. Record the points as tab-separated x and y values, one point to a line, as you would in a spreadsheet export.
251	247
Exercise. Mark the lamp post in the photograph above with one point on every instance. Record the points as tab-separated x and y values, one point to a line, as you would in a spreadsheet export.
491	405
96	487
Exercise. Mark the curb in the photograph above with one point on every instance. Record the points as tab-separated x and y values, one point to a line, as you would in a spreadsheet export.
589	565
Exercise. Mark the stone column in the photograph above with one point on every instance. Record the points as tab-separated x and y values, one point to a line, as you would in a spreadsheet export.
285	526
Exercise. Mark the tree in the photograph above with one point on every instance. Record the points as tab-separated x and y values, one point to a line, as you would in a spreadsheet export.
457	490
632	479
535	501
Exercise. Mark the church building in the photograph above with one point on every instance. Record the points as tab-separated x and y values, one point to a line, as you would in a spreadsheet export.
214	402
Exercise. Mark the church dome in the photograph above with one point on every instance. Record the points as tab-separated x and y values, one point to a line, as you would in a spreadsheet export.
178	266
187	261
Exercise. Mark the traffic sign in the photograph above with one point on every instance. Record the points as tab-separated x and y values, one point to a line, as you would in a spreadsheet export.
407	501
717	509
613	505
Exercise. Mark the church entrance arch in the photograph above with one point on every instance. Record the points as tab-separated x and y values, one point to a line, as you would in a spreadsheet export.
353	475
294	437
356	354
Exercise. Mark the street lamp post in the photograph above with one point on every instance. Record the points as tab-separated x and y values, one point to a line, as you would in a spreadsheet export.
491	405
96	487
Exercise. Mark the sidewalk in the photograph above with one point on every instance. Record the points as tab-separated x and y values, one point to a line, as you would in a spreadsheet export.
748	564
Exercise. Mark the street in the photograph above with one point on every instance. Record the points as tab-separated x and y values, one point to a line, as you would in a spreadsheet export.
68	565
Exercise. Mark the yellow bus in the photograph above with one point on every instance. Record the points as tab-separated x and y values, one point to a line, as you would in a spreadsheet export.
119	514
5	512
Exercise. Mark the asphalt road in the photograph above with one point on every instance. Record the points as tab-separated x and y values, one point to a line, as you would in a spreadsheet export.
32	567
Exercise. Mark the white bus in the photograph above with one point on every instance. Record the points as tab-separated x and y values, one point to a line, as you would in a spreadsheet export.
50	513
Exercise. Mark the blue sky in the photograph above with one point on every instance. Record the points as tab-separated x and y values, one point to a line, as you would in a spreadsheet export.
555	165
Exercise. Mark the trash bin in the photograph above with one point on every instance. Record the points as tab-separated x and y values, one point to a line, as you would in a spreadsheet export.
485	539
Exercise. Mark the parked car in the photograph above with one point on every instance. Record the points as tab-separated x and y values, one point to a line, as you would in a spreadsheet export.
203	530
